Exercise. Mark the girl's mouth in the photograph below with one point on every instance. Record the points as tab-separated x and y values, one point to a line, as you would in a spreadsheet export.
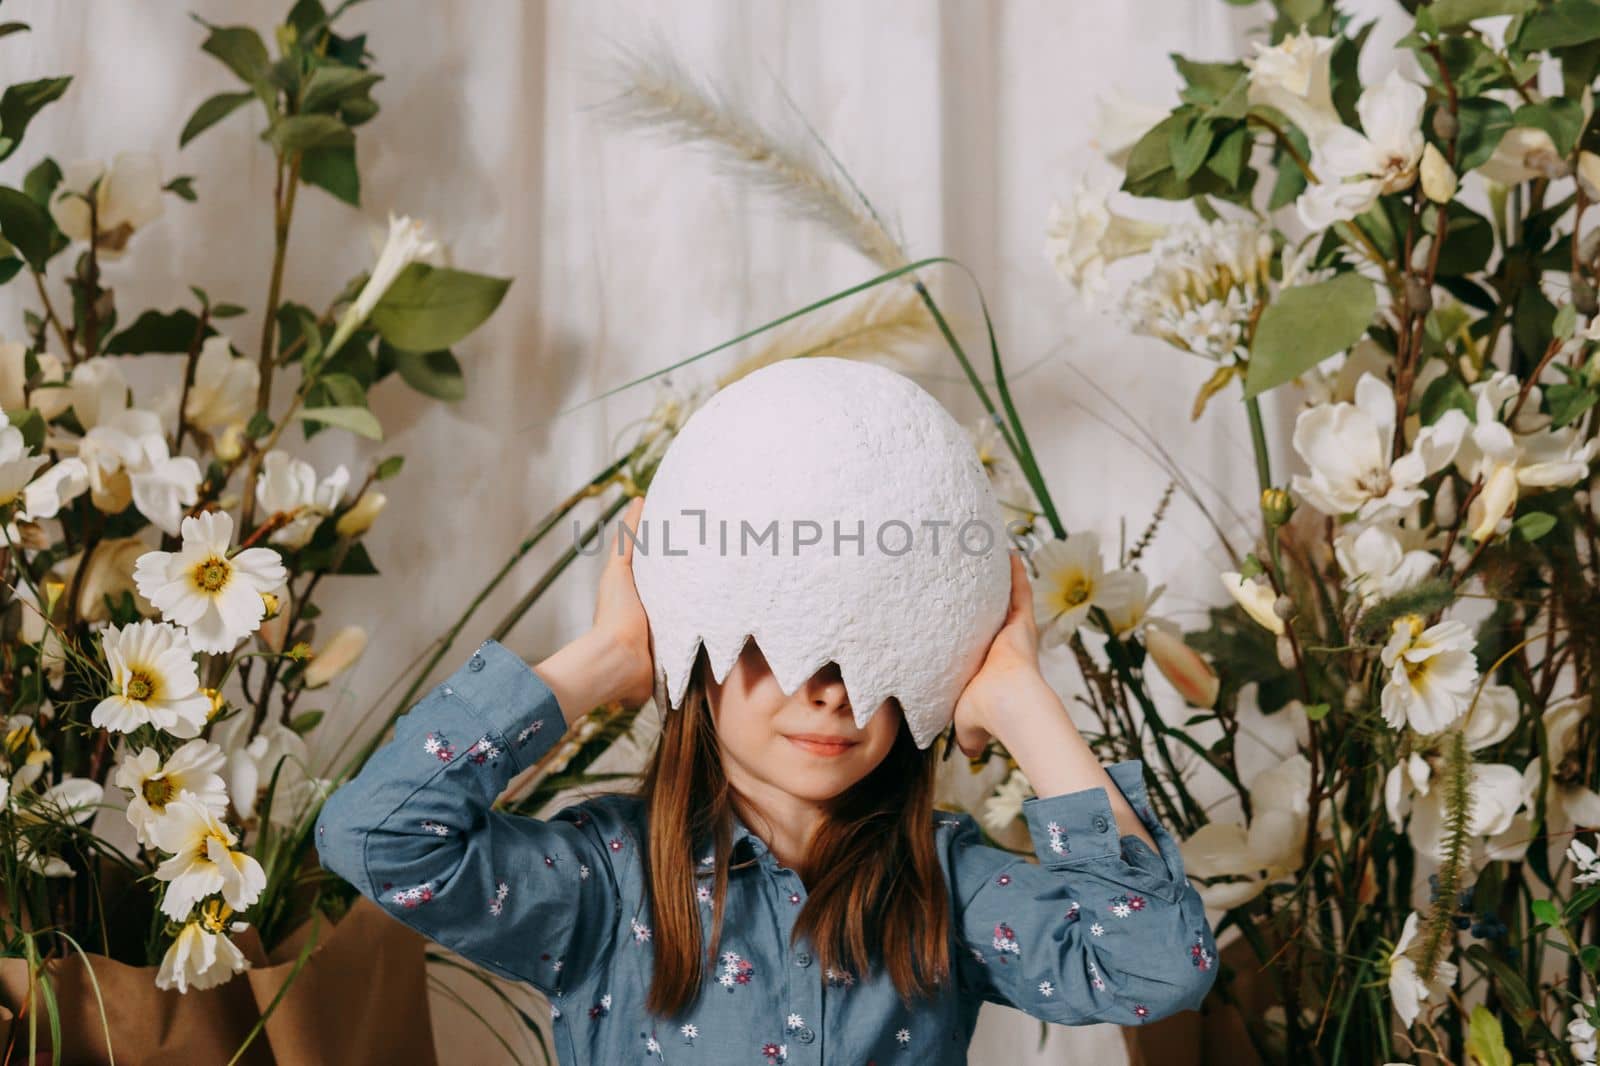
821	746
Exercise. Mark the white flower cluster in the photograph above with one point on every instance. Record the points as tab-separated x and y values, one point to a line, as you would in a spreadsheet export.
1206	281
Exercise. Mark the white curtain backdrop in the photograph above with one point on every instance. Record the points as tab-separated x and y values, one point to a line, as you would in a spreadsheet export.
963	120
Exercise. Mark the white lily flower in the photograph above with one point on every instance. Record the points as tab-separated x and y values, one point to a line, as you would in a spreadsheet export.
129	197
1354	169
287	485
337	656
215	596
202	859
1256	597
1432	673
1406	986
153	681
223	392
1349	447
202	956
405	244
153	784
1072	580
1085	236
1294	76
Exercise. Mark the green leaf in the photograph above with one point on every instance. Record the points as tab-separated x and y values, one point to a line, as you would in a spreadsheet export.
1566	22
20	103
210	113
297	133
305	721
1483	123
1191	146
1304	326
1534	525
1211	81
1152	153
1232	153
1453	14
1566	321
157	331
429	308
357	420
1486	1041
1443	393
42	180
182	186
1568	403
330	84
1546	912
26	225
389	468
242	50
10	267
1589	958
333	168
227	311
1318	711
1561	118
1469	241
8	28
435	374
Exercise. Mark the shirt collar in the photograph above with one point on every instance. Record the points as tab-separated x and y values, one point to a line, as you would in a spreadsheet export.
745	842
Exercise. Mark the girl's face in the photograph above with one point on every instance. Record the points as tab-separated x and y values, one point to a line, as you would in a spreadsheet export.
806	744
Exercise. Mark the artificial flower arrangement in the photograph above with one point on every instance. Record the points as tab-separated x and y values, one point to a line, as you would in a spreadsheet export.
161	553
1405	264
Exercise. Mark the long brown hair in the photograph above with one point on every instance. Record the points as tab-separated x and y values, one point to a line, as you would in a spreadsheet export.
878	893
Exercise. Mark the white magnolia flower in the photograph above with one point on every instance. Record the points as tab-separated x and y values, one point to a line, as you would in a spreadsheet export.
1206	280
202	956
1376	563
1432	673
1349	448
110	574
1498	794
128	461
1524	153
154	784
1354	169
1406	986
1406	781
223	392
252	760
1492	718
97	390
1084	236
153	681
1004	805
1587	862
1270	850
202	859
49	402
336	656
1294	76
287	485
1570	801
17	467
1072	580
215	596
1327	384
60	484
128	198
1256	597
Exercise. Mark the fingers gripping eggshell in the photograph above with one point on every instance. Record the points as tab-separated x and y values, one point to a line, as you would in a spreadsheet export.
833	511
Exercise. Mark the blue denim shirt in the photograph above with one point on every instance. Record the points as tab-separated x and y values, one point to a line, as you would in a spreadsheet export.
1100	929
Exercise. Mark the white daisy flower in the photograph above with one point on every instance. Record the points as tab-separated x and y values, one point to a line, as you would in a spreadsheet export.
203	859
1432	674
202	956
153	681
217	597
154	784
1072	580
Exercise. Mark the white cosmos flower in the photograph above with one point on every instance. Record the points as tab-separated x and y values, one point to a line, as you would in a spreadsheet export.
336	656
1375	562
71	800
1294	76
17	467
1570	801
1256	597
1354	169
153	681
202	859
1085	235
60	484
128	198
287	485
1349	449
1269	851
223	392
1072	580
215	596
202	956
154	784
1432	673
1406	986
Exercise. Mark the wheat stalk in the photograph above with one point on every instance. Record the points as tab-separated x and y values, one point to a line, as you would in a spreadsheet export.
885	322
658	93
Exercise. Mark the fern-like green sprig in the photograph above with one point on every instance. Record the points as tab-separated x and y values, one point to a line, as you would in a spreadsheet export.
1457	785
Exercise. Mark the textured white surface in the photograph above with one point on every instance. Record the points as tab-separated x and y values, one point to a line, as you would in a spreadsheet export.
835	512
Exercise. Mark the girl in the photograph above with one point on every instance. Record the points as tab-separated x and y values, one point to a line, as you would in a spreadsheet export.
779	888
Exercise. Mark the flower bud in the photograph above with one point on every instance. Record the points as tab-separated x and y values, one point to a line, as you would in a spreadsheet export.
1445	126
1438	180
1276	506
1497	499
1285	652
359	518
339	653
1283	607
1180	664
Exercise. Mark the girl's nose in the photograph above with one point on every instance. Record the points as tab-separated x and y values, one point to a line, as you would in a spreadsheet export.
827	691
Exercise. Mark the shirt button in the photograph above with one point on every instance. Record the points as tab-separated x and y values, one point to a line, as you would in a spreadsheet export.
1100	824
476	662
803	959
806	1035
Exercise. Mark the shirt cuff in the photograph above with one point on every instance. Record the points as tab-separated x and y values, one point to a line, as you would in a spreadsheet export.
511	699
1079	826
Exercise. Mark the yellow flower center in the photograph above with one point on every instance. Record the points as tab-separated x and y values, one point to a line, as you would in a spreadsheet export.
139	687
1074	589
212	575
158	791
214	914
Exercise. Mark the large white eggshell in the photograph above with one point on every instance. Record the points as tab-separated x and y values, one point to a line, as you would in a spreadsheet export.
825	439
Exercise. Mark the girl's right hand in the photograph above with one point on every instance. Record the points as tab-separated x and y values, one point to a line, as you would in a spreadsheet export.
620	622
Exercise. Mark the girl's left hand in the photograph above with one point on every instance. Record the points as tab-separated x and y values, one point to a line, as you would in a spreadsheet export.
1011	666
